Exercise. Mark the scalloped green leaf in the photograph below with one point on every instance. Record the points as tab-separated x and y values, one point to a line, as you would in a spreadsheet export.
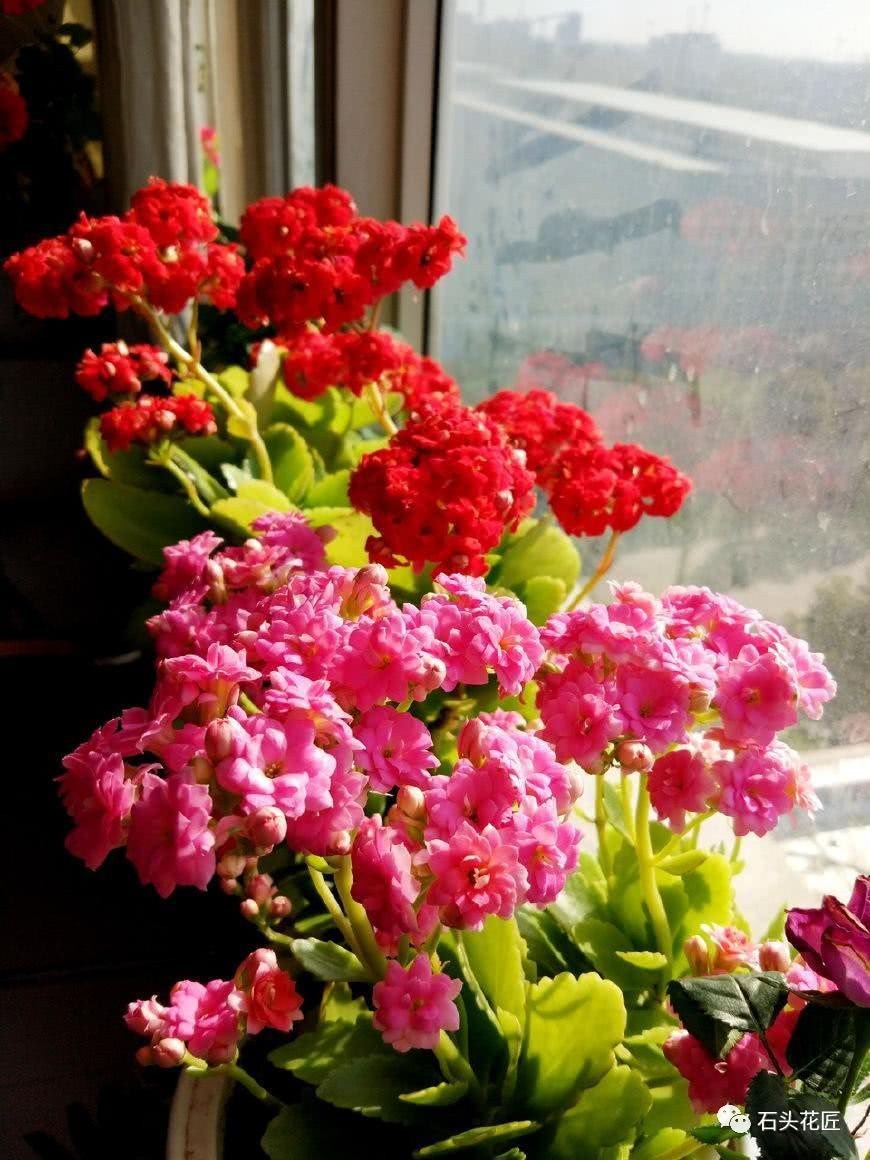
328	961
544	550
235	380
373	1084
666	1144
475	1137
292	463
605	1114
684	863
542	596
718	1009
330	491
315	1054
572	1027
644	960
440	1095
352	529
140	522
495	955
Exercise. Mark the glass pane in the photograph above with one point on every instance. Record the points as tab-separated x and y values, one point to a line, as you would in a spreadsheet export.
668	209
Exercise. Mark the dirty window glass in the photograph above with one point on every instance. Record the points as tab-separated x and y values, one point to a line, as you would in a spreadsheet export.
668	209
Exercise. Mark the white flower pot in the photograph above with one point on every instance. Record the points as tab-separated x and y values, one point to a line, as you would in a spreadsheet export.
196	1121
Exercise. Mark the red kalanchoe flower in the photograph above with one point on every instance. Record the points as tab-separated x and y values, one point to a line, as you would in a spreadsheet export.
594	488
426	253
224	271
444	491
50	280
149	419
425	385
174	214
18	7
120	369
121	253
313	364
14	118
541	425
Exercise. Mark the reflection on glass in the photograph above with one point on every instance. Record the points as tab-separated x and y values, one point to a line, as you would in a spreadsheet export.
669	223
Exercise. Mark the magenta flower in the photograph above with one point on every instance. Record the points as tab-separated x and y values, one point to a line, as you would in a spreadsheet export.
756	789
680	783
396	749
757	697
475	874
579	714
98	797
170	842
654	704
834	939
413	1005
548	850
383	883
716	1082
484	795
206	1018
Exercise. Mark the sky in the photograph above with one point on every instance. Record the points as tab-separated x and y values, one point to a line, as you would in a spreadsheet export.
831	30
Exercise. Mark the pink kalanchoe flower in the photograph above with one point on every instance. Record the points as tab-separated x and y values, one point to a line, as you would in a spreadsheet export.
732	948
397	749
548	849
391	658
383	883
757	697
211	683
579	714
301	546
654	704
206	1018
98	796
184	566
169	841
270	995
716	1082
329	830
482	795
475	874
680	783
755	789
147	1017
413	1005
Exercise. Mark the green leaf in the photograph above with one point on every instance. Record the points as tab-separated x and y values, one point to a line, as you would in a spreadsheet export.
666	1144
208	450
205	483
474	1137
495	955
768	1094
235	474
821	1048
292	465
130	467
373	1085
313	1055
572	1028
254	498
671	1107
140	522
684	863
362	414
512	1031
544	550
352	529
266	494
583	895
235	380
441	1095
717	1010
610	950
513	1154
605	1114
331	491
542	596
550	946
328	961
646	1053
304	1132
644	960
776	929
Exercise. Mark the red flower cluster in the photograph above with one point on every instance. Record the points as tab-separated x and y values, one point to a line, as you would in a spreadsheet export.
593	488
315	258
541	425
163	250
443	492
14	118
120	369
18	7
352	359
151	418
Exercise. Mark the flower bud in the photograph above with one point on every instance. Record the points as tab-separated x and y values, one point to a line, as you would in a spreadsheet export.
219	739
144	1056
634	756
774	956
231	865
699	701
412	802
168	1052
471	741
341	842
696	951
222	1053
228	885
249	908
260	888
280	906
266	827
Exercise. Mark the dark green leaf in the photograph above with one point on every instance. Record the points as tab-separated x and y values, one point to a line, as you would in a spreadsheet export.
787	1126
821	1048
308	1131
490	1134
550	947
584	894
315	1054
495	955
140	522
666	1144
373	1085
441	1095
719	1009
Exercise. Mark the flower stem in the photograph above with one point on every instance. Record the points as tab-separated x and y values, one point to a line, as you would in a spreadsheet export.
862	1044
647	872
600	572
247	1081
186	483
454	1066
336	913
378	405
693	826
601	825
627	806
370	954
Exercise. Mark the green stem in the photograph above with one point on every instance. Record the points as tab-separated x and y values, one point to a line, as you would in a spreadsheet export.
454	1066
194	367
673	843
281	940
627	806
647	872
600	572
862	1044
247	1081
336	913
370	954
379	406
187	483
601	825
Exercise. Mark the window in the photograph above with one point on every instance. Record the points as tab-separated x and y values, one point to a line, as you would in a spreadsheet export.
668	211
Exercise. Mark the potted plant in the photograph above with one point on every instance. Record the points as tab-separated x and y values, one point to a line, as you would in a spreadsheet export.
382	705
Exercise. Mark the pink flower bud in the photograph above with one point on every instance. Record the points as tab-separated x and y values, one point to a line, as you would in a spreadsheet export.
231	865
222	1053
144	1056
249	908
341	842
219	738
228	885
471	742
696	951
774	956
280	906
411	802
168	1052
634	756
266	827
260	888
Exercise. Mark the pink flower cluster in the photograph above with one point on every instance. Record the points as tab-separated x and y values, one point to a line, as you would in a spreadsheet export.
691	689
207	1020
